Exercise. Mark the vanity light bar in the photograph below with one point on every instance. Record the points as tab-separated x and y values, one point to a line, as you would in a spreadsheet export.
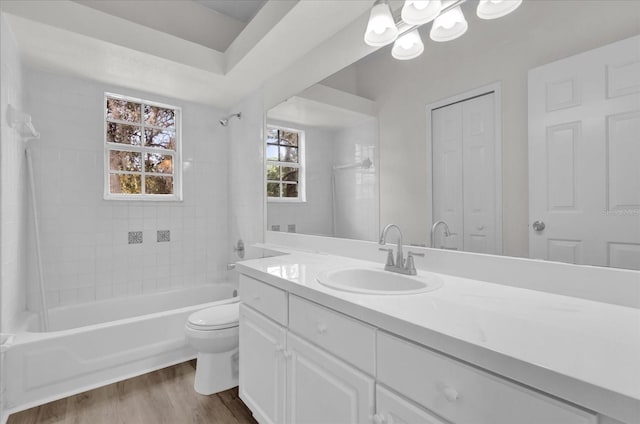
380	30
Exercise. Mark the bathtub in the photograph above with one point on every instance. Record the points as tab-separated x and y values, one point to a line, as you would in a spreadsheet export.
98	343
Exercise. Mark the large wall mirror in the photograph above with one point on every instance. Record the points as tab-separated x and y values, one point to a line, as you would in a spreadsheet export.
522	137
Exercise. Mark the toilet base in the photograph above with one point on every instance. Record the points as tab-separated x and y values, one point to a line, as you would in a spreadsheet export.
216	372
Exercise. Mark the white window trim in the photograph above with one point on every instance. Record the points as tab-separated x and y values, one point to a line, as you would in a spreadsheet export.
177	154
302	169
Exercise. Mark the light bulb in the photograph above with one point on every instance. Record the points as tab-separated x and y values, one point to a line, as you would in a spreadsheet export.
493	9
419	12
449	26
381	29
408	46
421	4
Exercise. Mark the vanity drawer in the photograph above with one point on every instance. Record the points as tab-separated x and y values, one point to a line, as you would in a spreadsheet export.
463	394
264	298
347	338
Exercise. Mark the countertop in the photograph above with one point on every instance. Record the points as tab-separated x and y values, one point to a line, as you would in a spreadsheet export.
579	350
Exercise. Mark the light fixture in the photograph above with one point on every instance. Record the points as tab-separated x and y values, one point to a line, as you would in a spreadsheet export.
381	29
408	46
449	26
448	22
419	12
493	9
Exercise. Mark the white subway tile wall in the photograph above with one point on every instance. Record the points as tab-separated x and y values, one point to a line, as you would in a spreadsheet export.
13	188
85	250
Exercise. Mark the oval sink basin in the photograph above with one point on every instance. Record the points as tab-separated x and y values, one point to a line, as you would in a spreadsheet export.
377	281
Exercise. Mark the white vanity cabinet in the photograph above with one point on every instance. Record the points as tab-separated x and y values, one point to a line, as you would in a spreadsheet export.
262	366
301	362
287	379
323	389
394	409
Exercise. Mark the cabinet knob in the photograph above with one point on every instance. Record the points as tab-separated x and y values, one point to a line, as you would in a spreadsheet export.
321	328
450	394
279	348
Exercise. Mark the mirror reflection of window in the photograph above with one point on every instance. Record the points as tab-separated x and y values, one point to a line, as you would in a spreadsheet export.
285	173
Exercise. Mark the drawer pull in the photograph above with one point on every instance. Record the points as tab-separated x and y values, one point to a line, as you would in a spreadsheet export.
450	394
321	328
256	298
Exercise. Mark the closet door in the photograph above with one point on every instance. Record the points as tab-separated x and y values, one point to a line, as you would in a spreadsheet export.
448	197
465	175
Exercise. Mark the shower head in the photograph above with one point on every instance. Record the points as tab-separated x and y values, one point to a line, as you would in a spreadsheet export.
225	121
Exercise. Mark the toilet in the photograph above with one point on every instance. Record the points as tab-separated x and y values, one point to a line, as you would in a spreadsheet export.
213	333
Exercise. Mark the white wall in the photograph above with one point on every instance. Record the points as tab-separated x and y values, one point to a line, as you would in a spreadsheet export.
505	49
86	255
357	189
246	175
13	187
315	215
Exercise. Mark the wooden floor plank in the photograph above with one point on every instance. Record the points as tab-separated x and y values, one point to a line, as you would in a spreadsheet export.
163	396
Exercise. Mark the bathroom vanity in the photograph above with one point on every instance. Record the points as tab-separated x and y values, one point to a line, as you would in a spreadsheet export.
466	352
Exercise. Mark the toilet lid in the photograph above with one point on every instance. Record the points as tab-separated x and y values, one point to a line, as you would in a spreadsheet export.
215	317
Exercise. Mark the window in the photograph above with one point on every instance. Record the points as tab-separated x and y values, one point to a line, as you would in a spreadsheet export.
285	164
142	150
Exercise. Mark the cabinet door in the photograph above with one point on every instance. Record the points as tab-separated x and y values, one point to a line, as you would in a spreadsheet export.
262	366
394	409
323	389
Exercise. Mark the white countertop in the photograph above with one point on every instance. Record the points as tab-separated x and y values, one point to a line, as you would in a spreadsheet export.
583	351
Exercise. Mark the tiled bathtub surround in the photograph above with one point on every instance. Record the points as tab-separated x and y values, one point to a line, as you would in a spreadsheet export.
13	188
85	239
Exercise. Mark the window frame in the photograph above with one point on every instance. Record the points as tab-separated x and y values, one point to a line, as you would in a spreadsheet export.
301	165
176	196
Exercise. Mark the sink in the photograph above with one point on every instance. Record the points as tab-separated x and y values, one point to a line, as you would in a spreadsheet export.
378	281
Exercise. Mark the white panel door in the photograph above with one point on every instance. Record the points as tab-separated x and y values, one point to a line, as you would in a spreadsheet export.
465	174
448	197
479	174
584	157
322	389
262	366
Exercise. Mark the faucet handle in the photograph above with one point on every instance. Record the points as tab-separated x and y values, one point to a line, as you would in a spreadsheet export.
389	251
410	267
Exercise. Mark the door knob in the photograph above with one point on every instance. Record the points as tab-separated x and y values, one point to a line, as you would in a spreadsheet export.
538	226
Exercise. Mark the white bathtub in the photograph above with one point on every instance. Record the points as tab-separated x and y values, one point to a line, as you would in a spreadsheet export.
98	343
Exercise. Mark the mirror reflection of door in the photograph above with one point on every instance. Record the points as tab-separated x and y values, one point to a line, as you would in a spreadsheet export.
465	163
584	157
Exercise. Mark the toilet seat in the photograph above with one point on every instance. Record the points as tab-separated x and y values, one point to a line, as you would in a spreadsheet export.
215	318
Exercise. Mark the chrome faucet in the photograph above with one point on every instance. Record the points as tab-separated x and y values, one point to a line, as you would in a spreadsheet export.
399	264
435	227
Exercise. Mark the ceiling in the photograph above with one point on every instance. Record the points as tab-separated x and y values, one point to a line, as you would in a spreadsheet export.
185	50
242	10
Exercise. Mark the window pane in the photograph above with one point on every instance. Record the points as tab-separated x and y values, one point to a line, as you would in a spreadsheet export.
156	162
288	154
272	152
163	139
125	184
289	174
290	190
123	110
273	172
273	189
124	161
289	138
158	185
159	117
123	134
272	135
